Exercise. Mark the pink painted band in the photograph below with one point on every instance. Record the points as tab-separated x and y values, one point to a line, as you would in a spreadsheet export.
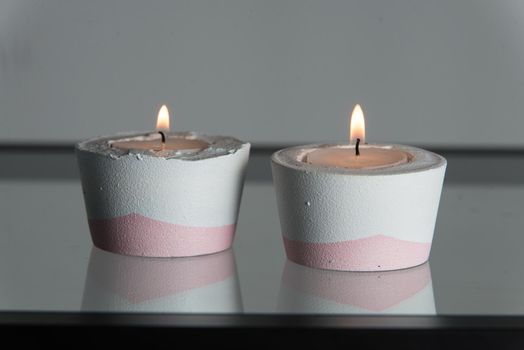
376	253
135	234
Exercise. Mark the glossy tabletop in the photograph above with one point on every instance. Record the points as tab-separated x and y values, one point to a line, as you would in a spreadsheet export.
48	263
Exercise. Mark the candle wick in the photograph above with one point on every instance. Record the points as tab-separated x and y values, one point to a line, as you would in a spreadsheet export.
357	148
163	139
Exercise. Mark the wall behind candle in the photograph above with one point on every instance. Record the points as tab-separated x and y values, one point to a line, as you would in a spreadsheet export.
426	72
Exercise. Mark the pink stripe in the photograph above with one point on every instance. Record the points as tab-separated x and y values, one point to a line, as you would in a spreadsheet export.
135	234
376	253
375	291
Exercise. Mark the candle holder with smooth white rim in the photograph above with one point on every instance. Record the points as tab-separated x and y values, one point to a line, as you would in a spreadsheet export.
162	202
358	219
202	284
315	291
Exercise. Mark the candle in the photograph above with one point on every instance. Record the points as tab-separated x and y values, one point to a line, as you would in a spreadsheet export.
355	206
367	157
162	194
161	140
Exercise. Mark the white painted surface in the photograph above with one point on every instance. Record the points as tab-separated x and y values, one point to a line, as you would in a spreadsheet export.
428	72
201	193
329	205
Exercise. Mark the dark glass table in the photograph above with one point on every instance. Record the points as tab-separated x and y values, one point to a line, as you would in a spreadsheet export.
52	276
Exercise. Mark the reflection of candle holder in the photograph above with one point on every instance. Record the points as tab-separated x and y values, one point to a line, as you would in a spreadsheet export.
307	290
197	284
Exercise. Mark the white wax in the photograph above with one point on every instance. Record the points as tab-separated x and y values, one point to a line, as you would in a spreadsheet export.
153	141
345	157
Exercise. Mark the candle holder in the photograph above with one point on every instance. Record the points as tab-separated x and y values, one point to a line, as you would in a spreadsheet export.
161	202
313	291
358	219
141	284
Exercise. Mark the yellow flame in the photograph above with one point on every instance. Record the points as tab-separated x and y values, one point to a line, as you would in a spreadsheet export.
357	129
162	121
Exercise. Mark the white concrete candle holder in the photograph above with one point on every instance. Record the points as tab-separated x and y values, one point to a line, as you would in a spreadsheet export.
162	203
358	219
313	291
205	284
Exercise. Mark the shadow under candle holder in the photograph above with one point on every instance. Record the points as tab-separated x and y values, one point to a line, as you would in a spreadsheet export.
203	284
306	290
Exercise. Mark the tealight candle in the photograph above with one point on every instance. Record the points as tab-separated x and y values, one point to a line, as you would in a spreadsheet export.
357	206
356	156
159	141
162	194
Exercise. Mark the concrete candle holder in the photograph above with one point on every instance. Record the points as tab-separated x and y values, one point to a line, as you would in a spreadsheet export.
358	219
162	203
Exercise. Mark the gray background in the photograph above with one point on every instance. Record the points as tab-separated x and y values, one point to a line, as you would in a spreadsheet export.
426	72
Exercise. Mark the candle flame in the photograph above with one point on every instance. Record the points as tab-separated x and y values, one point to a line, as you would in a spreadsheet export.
357	129
162	121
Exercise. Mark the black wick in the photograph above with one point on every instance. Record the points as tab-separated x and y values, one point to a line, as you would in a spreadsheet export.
163	138
357	149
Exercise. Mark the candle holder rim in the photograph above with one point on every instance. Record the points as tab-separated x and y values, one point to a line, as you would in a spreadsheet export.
283	158
218	146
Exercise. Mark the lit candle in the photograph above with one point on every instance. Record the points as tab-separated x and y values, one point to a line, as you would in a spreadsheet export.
161	140
162	194
357	155
355	206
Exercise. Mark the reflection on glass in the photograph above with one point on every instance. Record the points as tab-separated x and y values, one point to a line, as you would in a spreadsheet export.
308	290
203	284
